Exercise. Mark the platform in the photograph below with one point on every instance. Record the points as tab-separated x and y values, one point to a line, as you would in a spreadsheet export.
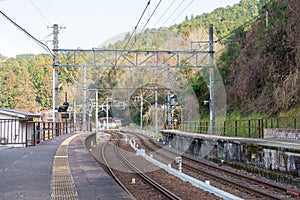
265	154
291	144
26	173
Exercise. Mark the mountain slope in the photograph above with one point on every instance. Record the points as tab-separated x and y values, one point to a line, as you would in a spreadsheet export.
261	65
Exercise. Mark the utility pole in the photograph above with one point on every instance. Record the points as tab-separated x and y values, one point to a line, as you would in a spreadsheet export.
267	17
107	113
211	78
84	106
141	113
169	120
74	112
156	114
55	75
55	72
97	110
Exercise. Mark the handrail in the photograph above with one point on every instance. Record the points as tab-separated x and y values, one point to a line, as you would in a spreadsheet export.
22	133
251	128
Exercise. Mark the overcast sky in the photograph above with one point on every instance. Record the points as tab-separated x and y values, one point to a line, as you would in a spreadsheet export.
88	23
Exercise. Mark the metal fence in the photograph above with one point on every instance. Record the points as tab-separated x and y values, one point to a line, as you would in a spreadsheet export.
251	128
23	133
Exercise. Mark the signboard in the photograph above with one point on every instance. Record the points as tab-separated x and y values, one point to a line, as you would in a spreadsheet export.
65	115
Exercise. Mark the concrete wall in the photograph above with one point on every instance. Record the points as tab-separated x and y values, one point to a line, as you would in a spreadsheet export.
244	152
282	133
91	140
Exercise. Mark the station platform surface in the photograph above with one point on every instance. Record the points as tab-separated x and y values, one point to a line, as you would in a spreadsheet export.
26	173
292	144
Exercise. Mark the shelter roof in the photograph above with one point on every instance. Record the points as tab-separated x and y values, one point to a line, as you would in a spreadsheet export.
18	113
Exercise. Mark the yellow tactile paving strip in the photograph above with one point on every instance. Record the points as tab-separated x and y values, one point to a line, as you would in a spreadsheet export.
62	184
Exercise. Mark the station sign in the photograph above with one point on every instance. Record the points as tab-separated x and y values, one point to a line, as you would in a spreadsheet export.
65	115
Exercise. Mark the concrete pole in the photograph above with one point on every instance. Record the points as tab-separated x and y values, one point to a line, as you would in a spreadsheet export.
141	113
156	114
84	106
55	117
96	114
107	114
267	18
211	79
169	120
74	112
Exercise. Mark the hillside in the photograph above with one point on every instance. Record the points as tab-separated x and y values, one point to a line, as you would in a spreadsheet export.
26	81
261	65
225	20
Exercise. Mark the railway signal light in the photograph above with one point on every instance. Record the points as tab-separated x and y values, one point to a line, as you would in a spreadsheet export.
64	107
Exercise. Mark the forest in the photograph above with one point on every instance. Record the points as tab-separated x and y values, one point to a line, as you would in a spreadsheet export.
258	61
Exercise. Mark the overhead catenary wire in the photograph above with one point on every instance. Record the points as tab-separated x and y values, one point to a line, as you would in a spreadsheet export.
136	26
165	12
172	13
182	12
146	23
244	24
135	29
229	34
170	5
44	39
40	12
44	46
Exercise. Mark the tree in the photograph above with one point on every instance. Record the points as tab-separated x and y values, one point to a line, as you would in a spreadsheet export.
25	94
7	99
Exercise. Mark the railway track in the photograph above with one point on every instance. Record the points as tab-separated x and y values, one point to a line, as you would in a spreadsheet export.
111	171
233	182
162	190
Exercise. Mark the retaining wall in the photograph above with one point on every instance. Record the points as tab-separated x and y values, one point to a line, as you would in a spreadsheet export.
280	162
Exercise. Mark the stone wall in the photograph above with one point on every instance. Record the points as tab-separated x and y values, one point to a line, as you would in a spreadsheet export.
282	133
249	154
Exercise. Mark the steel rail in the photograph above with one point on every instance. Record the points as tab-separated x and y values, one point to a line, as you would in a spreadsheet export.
254	191
153	183
258	181
111	172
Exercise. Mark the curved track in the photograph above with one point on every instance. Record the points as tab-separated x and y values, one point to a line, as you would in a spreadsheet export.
251	187
111	172
163	191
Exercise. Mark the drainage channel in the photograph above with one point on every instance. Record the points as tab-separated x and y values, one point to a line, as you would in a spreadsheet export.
62	184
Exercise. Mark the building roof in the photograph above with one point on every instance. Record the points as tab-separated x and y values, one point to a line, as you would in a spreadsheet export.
18	113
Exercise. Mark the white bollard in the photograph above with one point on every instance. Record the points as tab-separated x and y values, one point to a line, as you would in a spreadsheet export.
133	181
178	160
180	167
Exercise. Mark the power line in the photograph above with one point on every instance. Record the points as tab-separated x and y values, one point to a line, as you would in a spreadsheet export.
164	13
173	13
147	22
182	11
135	28
40	12
244	24
45	47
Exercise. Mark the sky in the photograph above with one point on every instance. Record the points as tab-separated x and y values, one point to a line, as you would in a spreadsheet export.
87	24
